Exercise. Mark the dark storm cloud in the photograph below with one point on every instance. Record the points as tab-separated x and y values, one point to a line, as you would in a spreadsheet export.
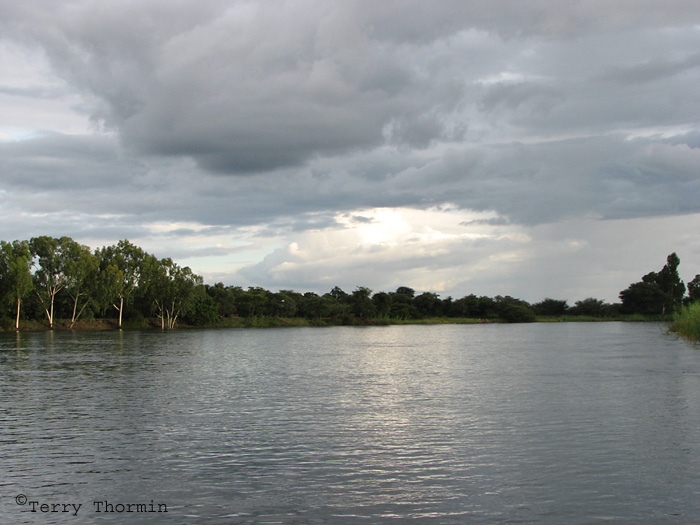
655	69
56	161
239	87
606	177
691	139
248	87
496	221
528	109
511	96
361	220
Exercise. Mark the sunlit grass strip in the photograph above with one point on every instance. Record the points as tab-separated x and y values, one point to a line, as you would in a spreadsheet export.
630	318
436	320
687	322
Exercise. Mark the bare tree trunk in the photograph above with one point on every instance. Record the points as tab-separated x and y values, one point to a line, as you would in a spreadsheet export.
19	302
172	315
119	309
51	292
75	307
76	317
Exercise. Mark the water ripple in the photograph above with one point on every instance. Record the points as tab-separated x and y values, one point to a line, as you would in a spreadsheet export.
448	424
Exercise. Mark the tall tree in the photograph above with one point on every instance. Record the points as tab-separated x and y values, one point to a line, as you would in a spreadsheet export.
171	288
658	292
402	306
50	277
15	273
645	298
428	304
361	303
694	289
121	268
382	303
81	269
670	282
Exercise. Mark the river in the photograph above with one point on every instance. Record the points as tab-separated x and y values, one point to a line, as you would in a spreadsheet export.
536	423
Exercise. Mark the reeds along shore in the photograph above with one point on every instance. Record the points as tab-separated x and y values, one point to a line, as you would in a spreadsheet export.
687	322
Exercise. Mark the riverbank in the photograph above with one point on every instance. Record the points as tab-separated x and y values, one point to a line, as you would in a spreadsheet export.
284	322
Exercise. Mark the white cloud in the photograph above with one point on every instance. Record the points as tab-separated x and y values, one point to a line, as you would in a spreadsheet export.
33	98
425	249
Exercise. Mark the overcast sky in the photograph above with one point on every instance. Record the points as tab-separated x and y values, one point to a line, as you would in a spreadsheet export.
531	148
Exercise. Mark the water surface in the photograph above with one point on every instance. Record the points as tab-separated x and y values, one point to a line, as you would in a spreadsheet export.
540	423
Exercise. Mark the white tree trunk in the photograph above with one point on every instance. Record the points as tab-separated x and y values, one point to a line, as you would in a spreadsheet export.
19	302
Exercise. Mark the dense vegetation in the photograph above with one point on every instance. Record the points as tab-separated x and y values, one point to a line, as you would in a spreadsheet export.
58	282
687	321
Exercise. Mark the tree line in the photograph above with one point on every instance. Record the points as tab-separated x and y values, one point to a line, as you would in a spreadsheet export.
45	278
57	278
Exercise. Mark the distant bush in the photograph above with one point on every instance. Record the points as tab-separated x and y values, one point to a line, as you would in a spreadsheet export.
517	313
550	307
594	308
203	311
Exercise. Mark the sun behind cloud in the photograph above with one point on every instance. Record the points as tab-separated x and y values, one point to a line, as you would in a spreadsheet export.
431	249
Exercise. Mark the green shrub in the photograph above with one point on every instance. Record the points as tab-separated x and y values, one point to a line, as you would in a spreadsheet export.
687	321
203	311
517	313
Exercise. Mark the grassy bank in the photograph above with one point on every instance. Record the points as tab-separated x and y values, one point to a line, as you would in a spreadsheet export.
284	322
629	318
61	324
687	322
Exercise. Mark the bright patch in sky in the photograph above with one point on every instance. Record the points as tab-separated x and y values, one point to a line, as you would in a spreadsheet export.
33	99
